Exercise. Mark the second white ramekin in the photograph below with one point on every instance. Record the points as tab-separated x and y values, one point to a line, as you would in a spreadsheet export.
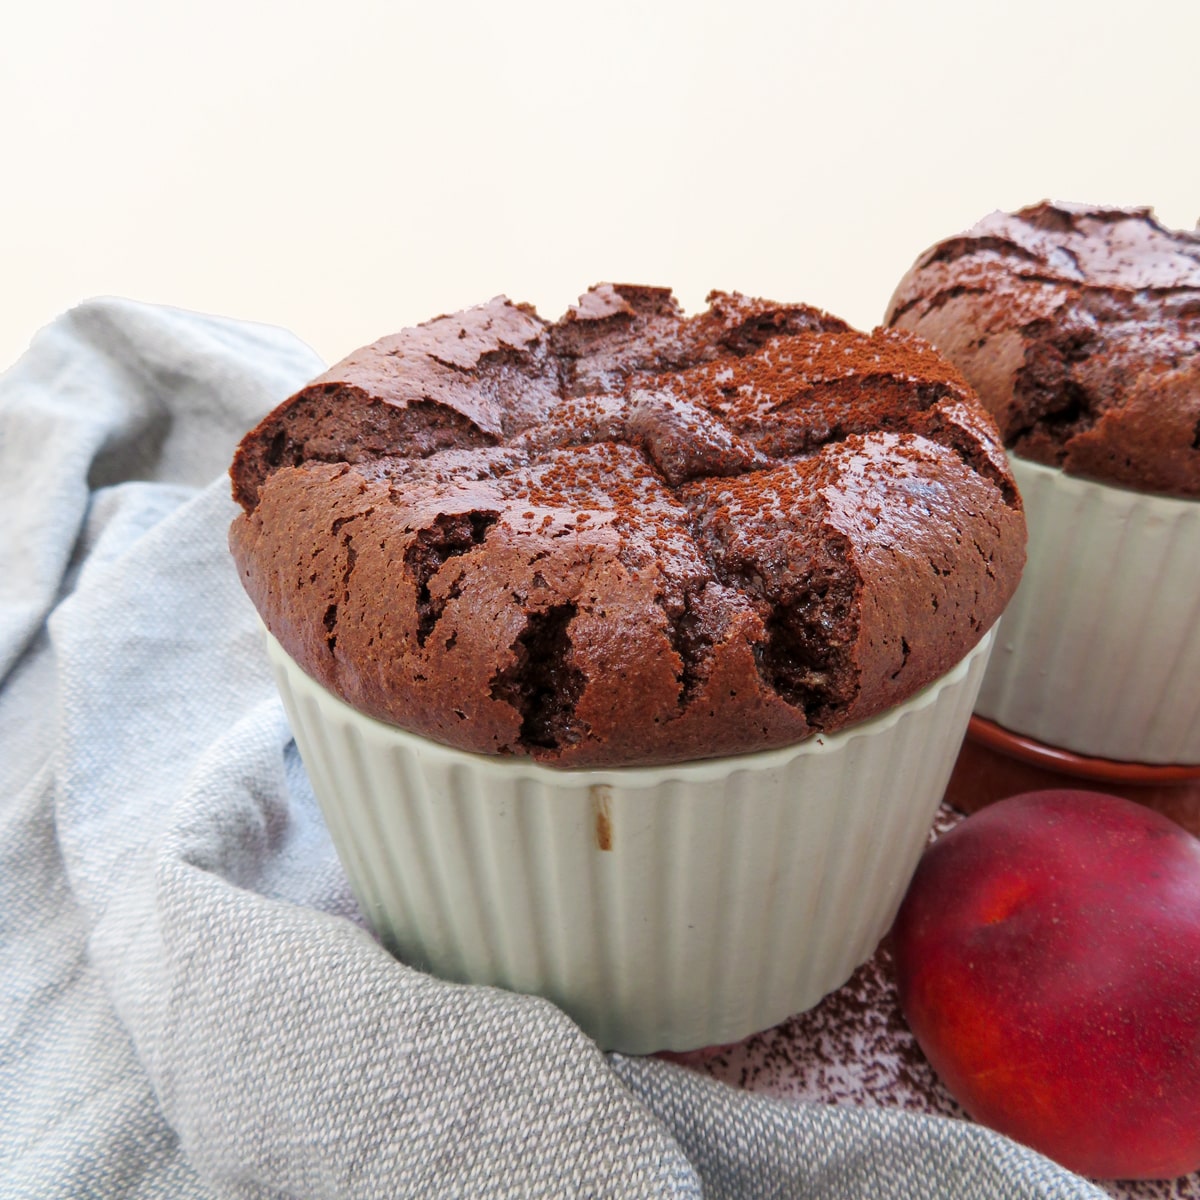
1099	650
662	908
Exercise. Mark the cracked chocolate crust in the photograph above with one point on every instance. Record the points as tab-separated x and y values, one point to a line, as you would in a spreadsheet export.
628	537
1079	327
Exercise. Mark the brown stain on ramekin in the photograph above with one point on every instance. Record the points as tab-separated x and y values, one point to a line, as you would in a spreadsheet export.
601	804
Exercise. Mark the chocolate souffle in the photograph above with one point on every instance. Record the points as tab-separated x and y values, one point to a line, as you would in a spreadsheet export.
1079	327
629	537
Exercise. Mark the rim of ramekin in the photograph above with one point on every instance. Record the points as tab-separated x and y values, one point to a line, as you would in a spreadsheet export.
1104	770
1060	475
642	776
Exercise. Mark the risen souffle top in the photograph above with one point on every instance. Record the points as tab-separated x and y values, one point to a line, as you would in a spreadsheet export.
630	536
1079	327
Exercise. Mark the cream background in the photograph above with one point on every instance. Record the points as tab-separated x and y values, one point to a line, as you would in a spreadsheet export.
343	169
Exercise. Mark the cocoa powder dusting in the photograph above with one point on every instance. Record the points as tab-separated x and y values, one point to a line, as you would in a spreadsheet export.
629	536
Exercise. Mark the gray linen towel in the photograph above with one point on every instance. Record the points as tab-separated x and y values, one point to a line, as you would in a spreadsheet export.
190	1004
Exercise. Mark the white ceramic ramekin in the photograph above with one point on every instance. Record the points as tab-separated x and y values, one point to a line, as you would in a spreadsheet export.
1099	650
662	908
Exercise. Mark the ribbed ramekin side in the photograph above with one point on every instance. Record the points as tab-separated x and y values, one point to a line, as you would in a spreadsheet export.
1099	651
662	908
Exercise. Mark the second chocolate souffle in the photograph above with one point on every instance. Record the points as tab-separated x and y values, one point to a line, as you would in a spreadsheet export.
1079	327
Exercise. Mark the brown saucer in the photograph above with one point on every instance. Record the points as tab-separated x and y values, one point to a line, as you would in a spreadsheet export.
995	763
